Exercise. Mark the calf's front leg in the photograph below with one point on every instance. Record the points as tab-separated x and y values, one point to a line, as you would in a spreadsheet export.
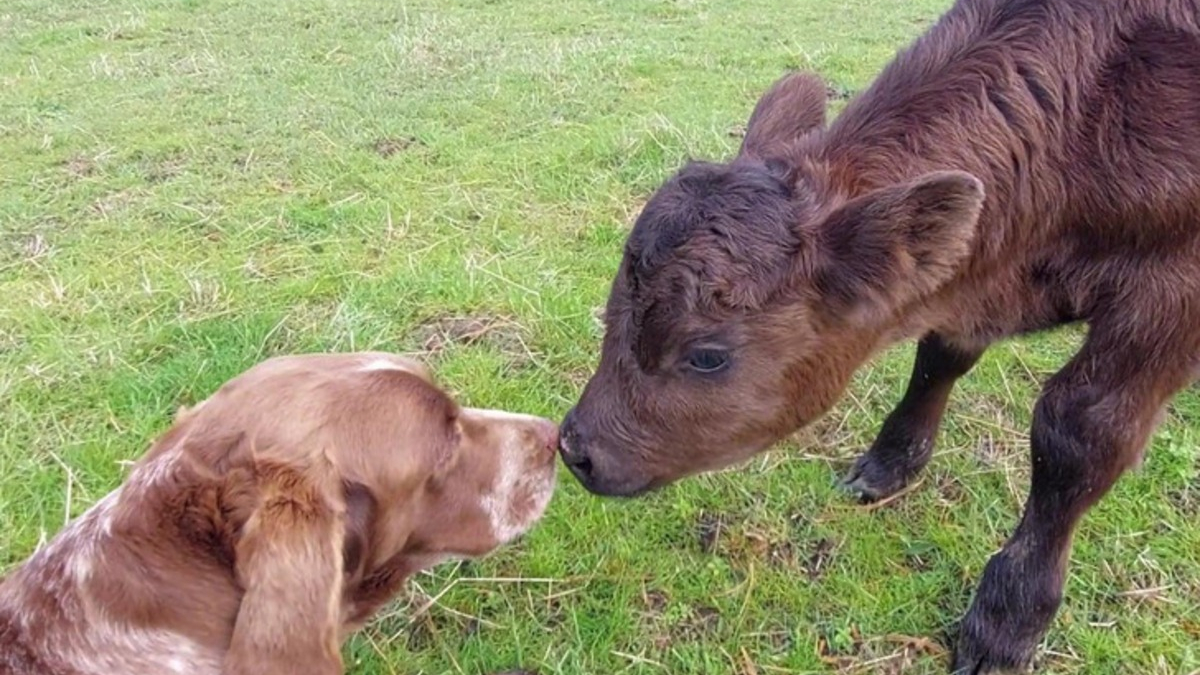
905	442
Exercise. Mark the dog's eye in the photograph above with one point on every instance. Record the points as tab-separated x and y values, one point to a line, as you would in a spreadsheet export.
708	360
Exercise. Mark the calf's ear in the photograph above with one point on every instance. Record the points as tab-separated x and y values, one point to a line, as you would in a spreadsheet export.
791	108
896	245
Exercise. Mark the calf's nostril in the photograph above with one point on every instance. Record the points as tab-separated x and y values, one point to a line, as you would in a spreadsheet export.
583	466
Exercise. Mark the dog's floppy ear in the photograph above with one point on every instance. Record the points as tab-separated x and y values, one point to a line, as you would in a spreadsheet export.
289	564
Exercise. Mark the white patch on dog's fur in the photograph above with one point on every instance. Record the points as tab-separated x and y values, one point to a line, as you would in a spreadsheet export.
81	564
500	415
155	471
498	503
398	363
79	540
130	650
92	642
518	477
383	364
102	511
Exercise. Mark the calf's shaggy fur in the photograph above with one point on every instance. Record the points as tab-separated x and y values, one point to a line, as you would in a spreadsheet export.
1025	164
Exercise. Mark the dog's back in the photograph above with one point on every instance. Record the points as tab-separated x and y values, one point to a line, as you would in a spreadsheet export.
136	584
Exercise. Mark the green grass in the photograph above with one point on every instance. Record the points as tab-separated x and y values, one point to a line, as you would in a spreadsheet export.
189	186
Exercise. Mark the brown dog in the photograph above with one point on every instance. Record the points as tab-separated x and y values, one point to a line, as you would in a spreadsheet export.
273	519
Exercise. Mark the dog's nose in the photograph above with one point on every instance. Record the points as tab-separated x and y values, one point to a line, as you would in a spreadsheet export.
573	453
548	436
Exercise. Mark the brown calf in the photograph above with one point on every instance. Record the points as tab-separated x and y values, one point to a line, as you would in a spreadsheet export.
1025	164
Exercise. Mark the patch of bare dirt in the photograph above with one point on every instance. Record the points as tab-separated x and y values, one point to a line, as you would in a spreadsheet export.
33	247
654	602
80	166
819	555
700	623
709	527
390	147
113	203
165	169
949	489
989	452
744	543
504	334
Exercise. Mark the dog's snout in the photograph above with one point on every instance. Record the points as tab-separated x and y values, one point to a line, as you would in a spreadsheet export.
547	435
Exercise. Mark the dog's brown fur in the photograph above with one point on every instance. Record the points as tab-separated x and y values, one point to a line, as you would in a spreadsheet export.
273	519
1025	164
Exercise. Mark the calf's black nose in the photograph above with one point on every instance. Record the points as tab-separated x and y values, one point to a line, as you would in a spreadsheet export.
572	450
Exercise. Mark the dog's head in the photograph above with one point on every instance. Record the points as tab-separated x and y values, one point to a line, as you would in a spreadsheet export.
358	468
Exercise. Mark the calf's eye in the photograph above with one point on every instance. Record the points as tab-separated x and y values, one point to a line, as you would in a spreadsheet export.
708	360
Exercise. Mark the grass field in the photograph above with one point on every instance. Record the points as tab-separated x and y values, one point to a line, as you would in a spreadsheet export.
189	186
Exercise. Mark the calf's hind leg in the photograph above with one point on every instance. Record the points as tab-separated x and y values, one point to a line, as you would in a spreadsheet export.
905	442
1091	423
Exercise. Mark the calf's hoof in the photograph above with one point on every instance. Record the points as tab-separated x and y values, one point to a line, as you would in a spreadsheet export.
972	663
984	649
881	472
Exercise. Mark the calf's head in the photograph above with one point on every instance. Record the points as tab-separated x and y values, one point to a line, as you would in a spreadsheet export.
748	294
